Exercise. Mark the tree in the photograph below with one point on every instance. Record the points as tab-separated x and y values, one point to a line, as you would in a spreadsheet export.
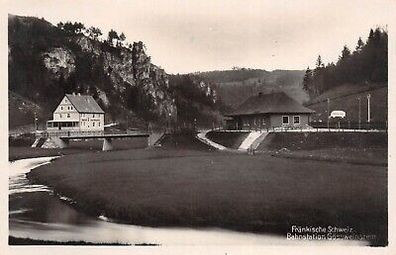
122	37
78	27
371	35
360	45
317	78
72	28
377	36
94	33
67	27
307	80
112	36
60	25
319	62
345	53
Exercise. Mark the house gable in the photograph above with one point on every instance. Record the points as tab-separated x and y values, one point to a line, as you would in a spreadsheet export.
65	111
84	104
77	113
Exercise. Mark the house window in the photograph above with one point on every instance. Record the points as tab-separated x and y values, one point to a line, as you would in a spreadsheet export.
68	115
99	124
60	115
93	124
296	119
93	115
285	119
61	107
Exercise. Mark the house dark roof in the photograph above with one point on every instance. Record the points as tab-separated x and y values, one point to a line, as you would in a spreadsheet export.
84	104
270	103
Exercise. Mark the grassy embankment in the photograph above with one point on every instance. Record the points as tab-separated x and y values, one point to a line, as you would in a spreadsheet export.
25	151
351	147
228	139
346	98
211	189
184	142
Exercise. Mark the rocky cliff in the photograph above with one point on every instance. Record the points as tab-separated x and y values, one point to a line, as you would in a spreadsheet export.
45	62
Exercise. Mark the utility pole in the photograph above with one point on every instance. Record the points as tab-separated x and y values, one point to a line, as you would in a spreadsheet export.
35	121
328	113
169	122
360	112
368	108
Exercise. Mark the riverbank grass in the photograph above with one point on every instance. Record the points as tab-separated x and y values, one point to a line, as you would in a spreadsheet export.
214	189
28	241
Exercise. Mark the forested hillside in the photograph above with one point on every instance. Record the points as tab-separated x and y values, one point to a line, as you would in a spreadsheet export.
345	85
196	100
367	63
47	61
235	86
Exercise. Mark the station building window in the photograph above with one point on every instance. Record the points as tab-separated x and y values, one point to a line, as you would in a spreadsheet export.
296	119
285	119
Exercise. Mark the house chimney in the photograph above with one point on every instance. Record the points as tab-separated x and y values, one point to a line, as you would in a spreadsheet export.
79	94
74	93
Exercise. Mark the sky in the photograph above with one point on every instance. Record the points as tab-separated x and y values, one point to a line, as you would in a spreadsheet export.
187	36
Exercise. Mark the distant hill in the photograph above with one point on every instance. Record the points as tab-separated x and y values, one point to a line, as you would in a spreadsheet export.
47	61
235	86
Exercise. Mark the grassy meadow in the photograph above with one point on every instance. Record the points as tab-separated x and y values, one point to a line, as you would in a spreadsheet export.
191	188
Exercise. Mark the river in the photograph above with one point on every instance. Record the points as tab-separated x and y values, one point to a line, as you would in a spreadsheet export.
36	212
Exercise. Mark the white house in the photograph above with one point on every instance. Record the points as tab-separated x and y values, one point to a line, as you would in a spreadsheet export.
77	113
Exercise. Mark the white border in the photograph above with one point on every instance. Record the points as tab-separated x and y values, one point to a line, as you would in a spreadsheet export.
5	249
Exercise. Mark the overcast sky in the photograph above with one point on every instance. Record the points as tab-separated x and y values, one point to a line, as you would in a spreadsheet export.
187	36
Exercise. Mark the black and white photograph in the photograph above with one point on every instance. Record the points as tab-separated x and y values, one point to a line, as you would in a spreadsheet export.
155	124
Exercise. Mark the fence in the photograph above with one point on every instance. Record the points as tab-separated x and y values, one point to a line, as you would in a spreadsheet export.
318	127
47	134
351	125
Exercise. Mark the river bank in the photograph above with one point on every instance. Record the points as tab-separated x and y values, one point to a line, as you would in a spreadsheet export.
39	215
359	156
258	194
15	153
28	241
